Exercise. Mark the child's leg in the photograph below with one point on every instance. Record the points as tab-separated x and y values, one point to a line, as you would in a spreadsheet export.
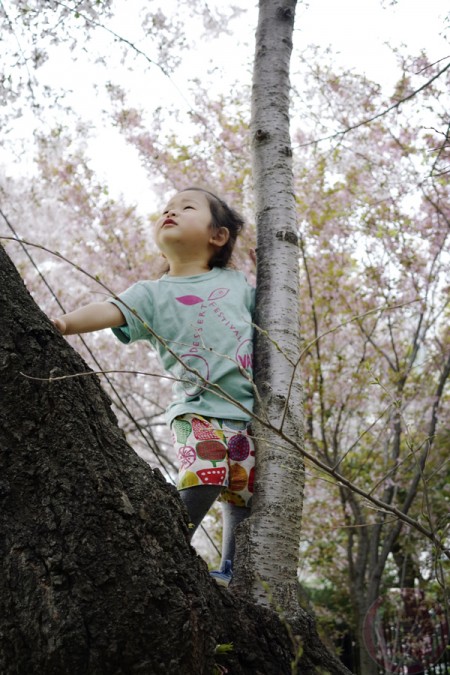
198	500
203	463
236	498
232	515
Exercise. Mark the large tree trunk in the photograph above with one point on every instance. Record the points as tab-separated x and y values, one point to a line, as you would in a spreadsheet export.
268	565
97	575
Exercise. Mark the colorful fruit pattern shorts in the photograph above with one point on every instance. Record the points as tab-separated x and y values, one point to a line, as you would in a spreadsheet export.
213	451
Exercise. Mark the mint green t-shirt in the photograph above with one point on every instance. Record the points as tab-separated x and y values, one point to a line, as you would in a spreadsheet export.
206	321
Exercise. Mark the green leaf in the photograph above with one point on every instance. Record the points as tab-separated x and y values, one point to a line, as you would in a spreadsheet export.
224	648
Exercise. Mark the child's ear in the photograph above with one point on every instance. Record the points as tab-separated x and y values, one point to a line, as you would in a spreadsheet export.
220	236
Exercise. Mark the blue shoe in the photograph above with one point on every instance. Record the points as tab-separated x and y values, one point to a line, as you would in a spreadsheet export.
223	577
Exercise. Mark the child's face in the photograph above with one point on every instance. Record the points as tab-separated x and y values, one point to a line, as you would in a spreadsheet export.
186	223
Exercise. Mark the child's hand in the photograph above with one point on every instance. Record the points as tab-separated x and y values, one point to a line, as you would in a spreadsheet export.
252	254
60	324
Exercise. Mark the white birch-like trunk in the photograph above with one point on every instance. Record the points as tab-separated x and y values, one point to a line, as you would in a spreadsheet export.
268	544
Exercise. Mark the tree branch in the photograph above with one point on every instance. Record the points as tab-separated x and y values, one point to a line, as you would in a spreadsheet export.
396	105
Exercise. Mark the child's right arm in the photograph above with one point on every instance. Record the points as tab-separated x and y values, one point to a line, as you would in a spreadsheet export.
94	316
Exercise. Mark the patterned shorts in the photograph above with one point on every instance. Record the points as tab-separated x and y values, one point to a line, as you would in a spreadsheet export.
215	452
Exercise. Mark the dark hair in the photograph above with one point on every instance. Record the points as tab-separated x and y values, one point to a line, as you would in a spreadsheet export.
222	215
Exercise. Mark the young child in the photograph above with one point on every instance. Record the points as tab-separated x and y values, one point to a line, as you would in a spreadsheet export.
198	316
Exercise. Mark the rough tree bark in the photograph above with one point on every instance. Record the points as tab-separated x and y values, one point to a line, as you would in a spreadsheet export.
269	543
96	572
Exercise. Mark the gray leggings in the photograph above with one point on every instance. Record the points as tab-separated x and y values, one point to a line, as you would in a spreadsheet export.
199	499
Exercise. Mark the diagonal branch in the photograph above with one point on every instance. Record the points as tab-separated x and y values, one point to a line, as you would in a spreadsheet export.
394	106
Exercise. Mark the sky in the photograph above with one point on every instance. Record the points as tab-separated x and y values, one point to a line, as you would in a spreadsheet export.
357	32
359	29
